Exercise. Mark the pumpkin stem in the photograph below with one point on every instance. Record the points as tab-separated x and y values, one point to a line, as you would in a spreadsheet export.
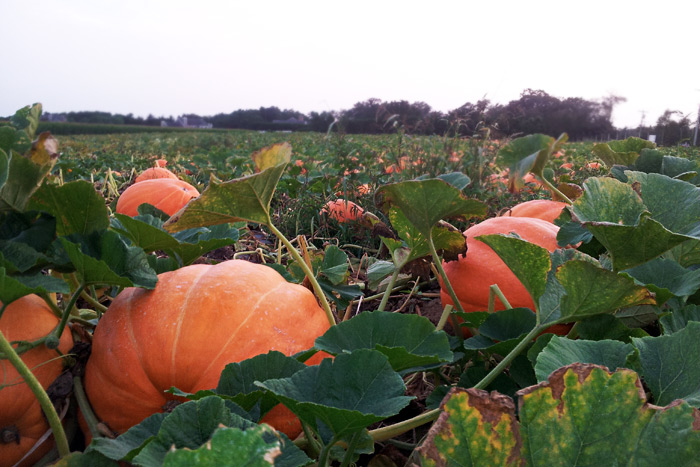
9	434
43	398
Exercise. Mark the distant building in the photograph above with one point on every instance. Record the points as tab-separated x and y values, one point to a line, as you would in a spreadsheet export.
292	121
188	122
49	117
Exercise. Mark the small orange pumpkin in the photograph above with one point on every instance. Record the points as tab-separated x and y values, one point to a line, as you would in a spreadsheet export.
183	333
166	194
342	210
544	209
22	422
472	275
153	173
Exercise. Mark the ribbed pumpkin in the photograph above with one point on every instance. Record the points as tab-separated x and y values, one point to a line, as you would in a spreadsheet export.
544	209
184	332
153	173
166	194
471	276
22	422
342	210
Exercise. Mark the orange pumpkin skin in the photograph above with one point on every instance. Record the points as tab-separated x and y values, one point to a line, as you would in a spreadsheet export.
343	210
161	162
155	172
184	332
166	194
471	276
544	209
28	318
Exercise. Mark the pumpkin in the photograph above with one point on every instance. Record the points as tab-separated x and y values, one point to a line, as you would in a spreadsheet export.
184	332
166	194
343	210
22	422
473	274
544	209
155	172
161	162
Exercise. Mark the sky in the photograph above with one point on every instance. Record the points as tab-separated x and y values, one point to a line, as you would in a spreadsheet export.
215	56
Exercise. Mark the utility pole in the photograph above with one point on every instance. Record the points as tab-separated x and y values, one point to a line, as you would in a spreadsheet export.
641	123
697	122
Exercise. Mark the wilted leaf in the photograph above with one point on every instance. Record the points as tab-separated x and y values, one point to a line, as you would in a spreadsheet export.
242	199
409	341
270	156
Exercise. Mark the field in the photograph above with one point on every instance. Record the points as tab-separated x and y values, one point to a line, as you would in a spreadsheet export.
582	325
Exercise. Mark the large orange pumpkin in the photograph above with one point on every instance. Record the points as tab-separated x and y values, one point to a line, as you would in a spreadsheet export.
471	276
544	209
166	194
342	210
153	173
22	422
184	332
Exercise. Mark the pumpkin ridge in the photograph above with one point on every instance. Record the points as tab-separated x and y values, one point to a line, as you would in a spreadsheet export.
235	331
180	319
134	342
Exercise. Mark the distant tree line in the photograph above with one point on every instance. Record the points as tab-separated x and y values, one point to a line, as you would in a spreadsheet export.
535	111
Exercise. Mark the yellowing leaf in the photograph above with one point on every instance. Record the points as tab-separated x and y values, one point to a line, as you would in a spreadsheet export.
271	156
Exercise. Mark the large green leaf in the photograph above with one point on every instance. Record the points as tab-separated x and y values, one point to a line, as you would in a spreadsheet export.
528	154
248	448
242	199
666	278
426	202
105	258
561	352
502	331
583	415
529	262
358	389
128	445
679	319
4	166
27	119
17	286
77	207
621	152
409	341
669	365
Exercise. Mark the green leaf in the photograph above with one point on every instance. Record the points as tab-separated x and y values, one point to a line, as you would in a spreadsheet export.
561	352
529	262
621	152
379	270
8	135
335	264
669	365
77	207
128	445
27	119
591	290
104	258
340	294
359	388
426	202
14	287
409	342
25	177
502	331
601	327
457	179
679	319
666	278
583	415
242	199
247	447
528	154
190	425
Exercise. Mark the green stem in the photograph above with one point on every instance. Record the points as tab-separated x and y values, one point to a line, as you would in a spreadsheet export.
85	407
391	431
389	287
438	265
508	358
94	302
49	410
351	449
309	273
443	318
66	313
325	453
495	291
554	189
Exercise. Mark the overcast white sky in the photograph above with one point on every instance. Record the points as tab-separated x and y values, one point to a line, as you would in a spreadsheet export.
211	56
